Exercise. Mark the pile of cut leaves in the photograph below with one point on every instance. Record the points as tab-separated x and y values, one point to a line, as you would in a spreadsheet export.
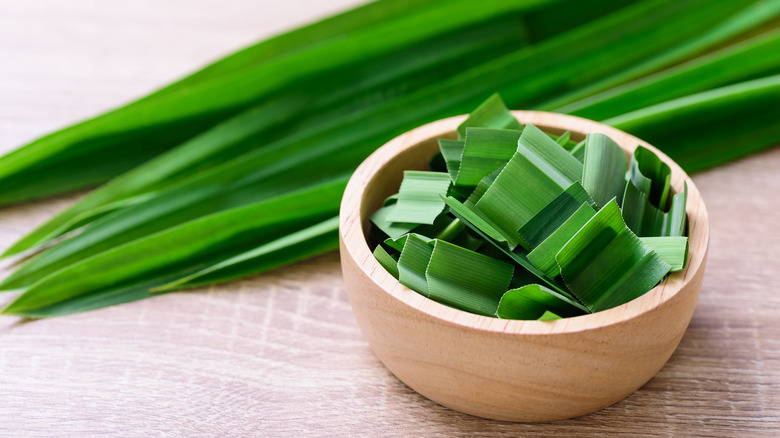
515	223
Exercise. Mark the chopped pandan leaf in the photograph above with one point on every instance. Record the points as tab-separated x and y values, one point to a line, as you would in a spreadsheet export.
391	229
672	249
544	255
549	156
451	231
544	168
578	151
468	239
413	263
484	151
650	174
465	279
642	216
387	261
563	139
554	214
460	192
397	243
533	301
604	169
419	198
482	187
676	219
471	217
457	233
606	265
492	113
451	151
548	316
392	199
509	204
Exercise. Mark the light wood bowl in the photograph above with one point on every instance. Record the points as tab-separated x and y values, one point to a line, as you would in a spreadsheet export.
501	369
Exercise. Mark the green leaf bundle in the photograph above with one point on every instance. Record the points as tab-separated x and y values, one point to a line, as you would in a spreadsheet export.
696	78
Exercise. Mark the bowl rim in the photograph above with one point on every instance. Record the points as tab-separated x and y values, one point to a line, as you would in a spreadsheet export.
352	236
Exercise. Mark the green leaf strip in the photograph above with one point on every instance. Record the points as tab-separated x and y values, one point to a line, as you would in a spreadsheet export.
492	113
419	198
533	301
554	214
413	263
605	264
387	261
452	151
544	255
604	169
555	161
484	151
672	249
465	279
473	219
296	246
510	204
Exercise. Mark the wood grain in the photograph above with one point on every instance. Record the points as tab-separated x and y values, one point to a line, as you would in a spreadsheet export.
281	354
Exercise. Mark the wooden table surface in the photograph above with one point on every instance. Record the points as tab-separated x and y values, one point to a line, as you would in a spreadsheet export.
281	354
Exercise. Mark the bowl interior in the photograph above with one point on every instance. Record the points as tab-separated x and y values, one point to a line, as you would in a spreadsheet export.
380	176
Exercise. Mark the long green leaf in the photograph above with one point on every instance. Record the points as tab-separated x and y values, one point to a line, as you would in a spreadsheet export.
298	39
735	63
308	242
475	92
109	296
170	118
744	114
542	54
650	33
389	77
219	236
743	18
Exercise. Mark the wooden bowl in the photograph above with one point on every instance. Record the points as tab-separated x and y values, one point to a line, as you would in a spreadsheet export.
502	369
